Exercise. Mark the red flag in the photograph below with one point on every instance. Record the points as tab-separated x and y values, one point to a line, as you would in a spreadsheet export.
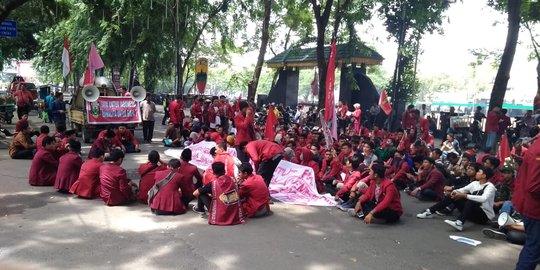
504	149
66	59
238	103
315	83
329	105
271	122
384	104
94	63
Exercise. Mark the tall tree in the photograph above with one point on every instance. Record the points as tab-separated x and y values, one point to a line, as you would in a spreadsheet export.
265	36
531	18
503	73
6	7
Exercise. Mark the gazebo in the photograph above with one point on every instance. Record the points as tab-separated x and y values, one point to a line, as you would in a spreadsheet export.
351	57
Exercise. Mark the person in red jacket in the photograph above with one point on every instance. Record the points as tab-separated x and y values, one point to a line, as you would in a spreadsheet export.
116	188
406	121
221	198
254	194
147	172
330	171
244	123
105	144
356	172
174	112
421	125
266	156
494	163
69	167
172	198
225	112
397	171
43	133
381	202
308	159
430	187
44	165
526	200
127	139
492	127
196	109
87	185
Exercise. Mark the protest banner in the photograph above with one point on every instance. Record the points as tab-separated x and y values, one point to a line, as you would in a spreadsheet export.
113	110
295	184
200	154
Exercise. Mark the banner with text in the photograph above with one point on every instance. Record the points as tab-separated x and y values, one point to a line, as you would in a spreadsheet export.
295	184
113	110
200	154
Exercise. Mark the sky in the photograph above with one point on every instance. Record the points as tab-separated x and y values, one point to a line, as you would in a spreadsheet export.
470	24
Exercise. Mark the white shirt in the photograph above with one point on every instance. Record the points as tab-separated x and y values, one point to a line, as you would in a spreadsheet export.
486	199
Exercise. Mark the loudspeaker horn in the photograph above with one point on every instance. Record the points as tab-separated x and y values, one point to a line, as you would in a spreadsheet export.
505	220
90	93
102	82
138	93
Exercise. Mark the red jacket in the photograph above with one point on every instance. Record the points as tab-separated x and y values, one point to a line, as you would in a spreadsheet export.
115	189
262	150
350	181
333	172
406	121
226	110
127	136
147	172
254	195
174	112
190	171
435	181
388	197
39	140
68	170
492	122
526	198
88	185
196	111
43	169
244	129
497	177
398	171
168	198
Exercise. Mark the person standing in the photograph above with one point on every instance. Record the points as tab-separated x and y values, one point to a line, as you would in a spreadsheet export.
245	131
24	102
526	200
225	113
48	104
59	110
148	108
266	156
492	127
174	112
166	103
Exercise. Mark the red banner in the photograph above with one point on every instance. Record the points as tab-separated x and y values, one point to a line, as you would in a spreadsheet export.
384	104
329	106
113	110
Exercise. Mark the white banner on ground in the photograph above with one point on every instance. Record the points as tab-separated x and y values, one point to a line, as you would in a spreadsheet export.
295	184
200	154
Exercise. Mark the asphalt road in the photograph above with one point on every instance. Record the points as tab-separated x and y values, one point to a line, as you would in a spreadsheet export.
42	229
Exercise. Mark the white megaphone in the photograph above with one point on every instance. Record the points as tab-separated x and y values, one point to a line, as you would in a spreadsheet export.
138	93
505	220
90	93
102	82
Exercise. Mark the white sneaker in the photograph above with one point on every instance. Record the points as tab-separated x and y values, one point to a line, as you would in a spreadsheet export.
425	215
455	224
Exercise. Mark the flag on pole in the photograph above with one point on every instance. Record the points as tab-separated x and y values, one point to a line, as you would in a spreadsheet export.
271	122
315	83
66	59
384	104
94	63
329	105
504	149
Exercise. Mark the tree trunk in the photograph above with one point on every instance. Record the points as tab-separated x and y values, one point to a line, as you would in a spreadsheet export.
537	97
321	21
503	74
252	85
8	7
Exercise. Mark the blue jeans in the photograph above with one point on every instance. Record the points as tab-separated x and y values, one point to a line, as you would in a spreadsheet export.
530	254
507	207
491	138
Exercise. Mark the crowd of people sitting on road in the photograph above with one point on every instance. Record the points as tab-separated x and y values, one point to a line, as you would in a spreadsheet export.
363	169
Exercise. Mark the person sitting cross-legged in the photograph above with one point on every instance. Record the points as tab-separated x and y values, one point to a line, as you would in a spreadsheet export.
88	185
148	172
474	201
254	194
221	198
173	197
116	187
69	167
124	135
381	202
44	165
